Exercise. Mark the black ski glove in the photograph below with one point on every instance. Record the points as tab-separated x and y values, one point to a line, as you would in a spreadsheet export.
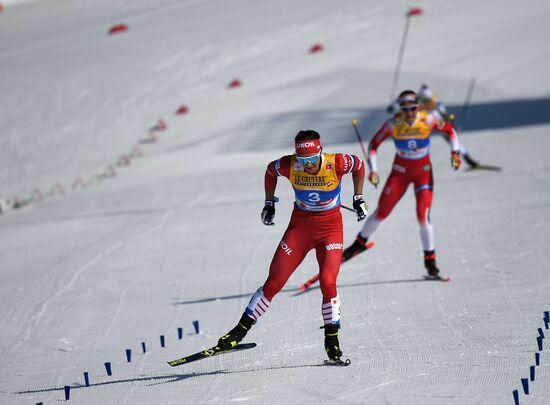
361	208
268	213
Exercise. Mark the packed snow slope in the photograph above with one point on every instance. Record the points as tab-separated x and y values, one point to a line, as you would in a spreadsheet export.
176	236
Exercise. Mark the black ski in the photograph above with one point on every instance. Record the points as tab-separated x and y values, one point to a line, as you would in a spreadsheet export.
339	362
437	278
213	351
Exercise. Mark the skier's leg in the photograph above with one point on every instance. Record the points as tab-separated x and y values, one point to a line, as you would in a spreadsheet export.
292	250
288	255
328	251
393	190
424	197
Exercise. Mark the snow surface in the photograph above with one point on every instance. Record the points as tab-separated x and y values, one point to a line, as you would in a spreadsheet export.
176	236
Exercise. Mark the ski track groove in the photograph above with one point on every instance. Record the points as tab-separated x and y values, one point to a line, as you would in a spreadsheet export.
35	317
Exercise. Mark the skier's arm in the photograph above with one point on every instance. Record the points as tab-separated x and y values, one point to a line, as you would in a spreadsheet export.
352	164
439	124
377	139
375	142
448	129
279	167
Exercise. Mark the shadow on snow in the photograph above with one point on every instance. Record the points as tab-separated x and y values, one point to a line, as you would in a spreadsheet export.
335	127
297	291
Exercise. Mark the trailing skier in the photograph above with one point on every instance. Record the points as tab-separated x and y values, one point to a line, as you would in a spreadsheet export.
410	130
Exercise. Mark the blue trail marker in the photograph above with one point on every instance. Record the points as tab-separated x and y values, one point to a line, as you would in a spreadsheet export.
39	403
161	340
546	319
180	333
537	359
67	390
196	325
128	355
525	383
539	342
86	379
541	334
532	373
143	347
108	368
516	397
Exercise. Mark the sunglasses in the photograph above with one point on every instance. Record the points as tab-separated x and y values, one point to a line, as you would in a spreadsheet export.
409	109
304	160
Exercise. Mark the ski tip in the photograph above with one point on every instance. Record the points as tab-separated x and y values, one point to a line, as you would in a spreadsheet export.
370	245
302	287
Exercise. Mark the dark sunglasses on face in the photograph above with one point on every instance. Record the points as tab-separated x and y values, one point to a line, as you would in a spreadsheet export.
409	109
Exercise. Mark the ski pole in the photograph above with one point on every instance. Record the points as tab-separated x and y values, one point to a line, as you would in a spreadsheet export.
354	123
466	103
347	208
411	13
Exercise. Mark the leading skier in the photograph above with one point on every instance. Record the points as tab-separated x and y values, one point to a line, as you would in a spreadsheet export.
316	223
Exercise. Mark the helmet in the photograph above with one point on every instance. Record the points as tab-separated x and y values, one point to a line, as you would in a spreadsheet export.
425	93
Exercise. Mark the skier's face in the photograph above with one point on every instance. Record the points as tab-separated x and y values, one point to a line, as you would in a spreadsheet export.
310	163
409	111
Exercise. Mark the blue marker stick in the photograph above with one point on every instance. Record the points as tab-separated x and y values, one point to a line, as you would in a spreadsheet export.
162	340
525	383
541	333
108	368
180	333
539	342
143	347
532	373
516	397
196	325
128	355
86	379
537	359
67	390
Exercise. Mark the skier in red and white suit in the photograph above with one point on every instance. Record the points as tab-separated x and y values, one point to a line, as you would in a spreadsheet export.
410	130
316	223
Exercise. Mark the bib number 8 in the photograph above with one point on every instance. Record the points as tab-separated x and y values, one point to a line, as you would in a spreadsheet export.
412	144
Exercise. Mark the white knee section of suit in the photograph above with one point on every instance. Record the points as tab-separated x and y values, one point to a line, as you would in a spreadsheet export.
370	226
331	311
258	304
427	236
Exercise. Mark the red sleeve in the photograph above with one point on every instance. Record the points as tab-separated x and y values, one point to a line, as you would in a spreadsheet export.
349	164
279	167
380	136
377	139
444	126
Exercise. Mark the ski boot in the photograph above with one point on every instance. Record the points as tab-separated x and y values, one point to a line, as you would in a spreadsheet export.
235	335
429	263
358	246
332	347
431	267
471	162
